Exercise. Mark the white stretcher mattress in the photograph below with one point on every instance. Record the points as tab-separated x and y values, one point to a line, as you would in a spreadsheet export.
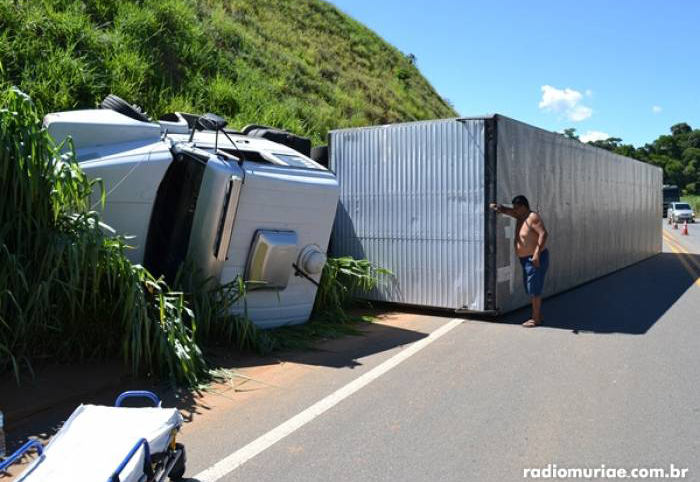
94	441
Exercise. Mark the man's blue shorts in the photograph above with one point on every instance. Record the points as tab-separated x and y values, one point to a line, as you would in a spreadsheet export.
533	278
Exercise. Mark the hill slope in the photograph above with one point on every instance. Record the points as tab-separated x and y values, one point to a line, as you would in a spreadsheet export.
298	64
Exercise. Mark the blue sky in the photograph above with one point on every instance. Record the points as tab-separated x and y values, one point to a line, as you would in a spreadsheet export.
627	69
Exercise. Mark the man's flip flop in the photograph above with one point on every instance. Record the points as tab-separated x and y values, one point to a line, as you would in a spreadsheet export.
531	323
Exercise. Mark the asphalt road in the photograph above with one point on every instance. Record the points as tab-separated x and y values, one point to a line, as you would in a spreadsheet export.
612	379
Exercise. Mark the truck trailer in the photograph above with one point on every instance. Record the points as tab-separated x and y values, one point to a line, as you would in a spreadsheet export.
414	199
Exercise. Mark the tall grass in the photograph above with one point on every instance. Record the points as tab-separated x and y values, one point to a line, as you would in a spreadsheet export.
212	306
67	292
342	279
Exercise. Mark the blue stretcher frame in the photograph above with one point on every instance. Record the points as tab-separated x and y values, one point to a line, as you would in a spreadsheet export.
137	394
21	451
148	470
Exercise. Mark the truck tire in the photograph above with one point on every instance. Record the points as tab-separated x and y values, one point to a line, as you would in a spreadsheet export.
280	136
117	104
250	127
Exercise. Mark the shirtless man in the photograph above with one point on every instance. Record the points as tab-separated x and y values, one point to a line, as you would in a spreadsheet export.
530	240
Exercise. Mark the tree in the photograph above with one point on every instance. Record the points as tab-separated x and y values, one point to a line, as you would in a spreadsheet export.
609	144
674	172
691	171
571	133
627	150
693	139
691	154
667	145
680	128
661	161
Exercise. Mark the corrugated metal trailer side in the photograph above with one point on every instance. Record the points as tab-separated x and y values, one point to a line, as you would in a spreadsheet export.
412	200
602	210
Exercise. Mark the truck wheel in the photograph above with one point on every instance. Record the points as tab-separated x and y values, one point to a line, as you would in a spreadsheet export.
251	127
117	104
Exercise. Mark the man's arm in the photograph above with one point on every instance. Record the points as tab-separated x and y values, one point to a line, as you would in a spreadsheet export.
499	208
538	226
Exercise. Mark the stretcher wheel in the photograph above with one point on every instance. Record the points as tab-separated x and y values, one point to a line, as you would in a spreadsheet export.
178	470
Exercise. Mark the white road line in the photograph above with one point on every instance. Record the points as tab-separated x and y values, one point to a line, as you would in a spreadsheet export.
241	456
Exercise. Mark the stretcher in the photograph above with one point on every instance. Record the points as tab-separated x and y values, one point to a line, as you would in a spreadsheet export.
109	444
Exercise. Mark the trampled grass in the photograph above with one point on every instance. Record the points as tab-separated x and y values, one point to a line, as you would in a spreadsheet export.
296	64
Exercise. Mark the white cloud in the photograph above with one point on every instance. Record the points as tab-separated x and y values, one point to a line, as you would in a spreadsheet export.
589	93
594	136
579	113
566	102
656	109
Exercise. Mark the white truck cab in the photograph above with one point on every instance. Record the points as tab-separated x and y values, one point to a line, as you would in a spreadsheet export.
232	204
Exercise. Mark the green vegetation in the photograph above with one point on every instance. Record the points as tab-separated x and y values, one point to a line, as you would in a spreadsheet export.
210	307
67	292
297	64
342	278
694	202
678	154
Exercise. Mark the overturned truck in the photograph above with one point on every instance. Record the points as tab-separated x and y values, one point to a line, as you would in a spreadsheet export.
233	204
414	200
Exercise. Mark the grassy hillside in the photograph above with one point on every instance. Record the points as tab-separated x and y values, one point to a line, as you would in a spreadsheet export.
298	64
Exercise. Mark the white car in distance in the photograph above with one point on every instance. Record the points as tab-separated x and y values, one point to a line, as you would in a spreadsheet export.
680	212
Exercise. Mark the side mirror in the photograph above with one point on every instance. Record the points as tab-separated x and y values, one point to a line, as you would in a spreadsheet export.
211	122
